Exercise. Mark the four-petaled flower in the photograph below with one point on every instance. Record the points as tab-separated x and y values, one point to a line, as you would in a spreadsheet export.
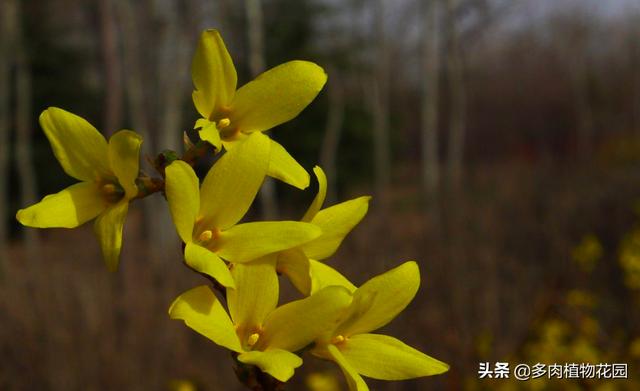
107	172
301	264
356	350
262	334
206	218
274	97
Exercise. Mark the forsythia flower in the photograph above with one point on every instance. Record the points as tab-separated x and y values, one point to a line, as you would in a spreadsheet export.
107	172
206	218
301	264
262	334
358	352
274	97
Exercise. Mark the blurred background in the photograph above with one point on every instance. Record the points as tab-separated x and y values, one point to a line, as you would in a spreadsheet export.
500	140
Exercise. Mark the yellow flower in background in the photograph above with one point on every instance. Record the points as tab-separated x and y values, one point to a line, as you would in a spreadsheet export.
206	218
322	381
261	333
629	258
107	172
588	252
274	97
182	385
301	263
360	353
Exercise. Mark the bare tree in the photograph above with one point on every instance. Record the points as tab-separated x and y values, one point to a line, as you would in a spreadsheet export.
380	107
7	19
332	133
24	131
255	25
111	68
578	31
429	134
458	99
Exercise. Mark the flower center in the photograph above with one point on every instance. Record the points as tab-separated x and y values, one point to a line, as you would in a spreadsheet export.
337	340
223	123
208	236
253	339
112	192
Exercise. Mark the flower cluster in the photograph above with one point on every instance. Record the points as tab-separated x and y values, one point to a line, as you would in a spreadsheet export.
333	320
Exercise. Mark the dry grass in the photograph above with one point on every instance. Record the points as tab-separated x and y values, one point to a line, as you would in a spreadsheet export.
489	262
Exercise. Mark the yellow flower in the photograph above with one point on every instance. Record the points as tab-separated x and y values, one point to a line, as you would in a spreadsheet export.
358	352
206	219
107	172
263	335
274	97
301	263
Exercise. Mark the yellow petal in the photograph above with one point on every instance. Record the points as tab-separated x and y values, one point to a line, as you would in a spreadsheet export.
336	222
295	265
386	358
380	299
108	228
124	157
255	294
183	195
246	242
210	134
78	146
68	208
276	362
354	380
285	168
213	73
204	261
298	323
276	96
202	312
320	196
323	276
233	182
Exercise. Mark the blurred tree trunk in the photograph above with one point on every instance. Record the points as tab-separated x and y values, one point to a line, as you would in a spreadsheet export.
132	35
132	50
454	212
332	133
458	100
6	48
173	85
578	29
380	109
255	25
634	51
429	111
24	131
111	66
583	110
